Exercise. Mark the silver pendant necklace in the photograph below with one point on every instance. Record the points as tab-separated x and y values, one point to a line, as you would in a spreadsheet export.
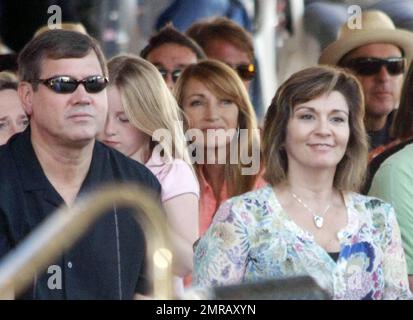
317	218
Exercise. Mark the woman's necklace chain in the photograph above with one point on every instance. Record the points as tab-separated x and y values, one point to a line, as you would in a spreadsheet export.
317	218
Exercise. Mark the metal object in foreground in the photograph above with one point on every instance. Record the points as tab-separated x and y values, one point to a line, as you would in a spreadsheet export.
60	231
293	288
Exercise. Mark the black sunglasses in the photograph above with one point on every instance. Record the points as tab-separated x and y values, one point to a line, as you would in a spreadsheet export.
245	71
175	74
371	66
67	84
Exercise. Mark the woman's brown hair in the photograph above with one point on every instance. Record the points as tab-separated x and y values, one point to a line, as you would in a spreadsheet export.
304	86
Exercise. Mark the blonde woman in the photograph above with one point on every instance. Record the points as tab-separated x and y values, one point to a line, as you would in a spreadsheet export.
216	103
141	111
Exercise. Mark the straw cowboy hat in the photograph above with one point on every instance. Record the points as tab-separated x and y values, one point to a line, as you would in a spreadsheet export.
376	27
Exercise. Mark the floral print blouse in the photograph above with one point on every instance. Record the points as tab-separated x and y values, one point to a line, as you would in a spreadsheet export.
252	238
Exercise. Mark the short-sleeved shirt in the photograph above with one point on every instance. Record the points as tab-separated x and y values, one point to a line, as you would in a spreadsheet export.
176	177
252	239
106	263
393	182
376	162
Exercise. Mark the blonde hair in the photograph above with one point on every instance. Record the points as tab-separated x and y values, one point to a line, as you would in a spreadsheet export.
70	26
149	105
224	82
304	86
6	76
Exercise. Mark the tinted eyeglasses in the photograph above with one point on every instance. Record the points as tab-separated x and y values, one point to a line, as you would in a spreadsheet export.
371	66
67	84
175	74
245	71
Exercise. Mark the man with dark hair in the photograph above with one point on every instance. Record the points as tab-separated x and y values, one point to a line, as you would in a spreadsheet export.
50	47
171	51
223	39
57	159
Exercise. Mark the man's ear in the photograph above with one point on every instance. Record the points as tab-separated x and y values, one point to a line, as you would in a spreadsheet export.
25	92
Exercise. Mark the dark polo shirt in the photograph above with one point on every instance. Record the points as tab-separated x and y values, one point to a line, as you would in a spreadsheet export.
107	263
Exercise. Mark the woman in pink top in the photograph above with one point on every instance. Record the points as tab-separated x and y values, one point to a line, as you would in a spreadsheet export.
226	148
144	122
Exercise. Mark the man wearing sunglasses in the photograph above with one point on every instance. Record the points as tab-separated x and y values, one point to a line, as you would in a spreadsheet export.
56	159
170	51
222	39
378	54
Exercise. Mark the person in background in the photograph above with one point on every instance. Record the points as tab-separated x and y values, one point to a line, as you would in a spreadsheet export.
13	118
56	160
309	219
142	111
401	131
217	106
170	51
226	41
378	54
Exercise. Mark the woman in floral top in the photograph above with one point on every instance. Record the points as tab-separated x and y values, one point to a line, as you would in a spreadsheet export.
309	220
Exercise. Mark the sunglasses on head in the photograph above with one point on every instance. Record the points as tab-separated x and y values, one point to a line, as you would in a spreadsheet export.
67	84
245	71
371	66
175	74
